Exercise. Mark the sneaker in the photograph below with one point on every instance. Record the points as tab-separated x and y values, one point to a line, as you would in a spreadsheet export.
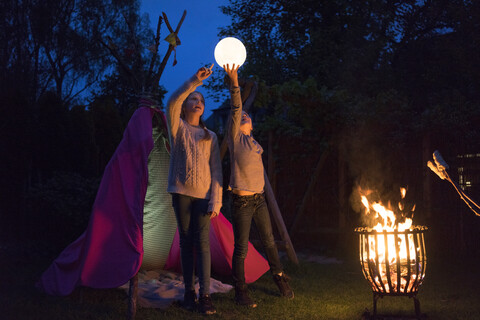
282	282
190	300
206	305
242	298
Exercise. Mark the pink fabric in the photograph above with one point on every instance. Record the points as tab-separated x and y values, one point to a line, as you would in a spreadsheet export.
110	251
221	248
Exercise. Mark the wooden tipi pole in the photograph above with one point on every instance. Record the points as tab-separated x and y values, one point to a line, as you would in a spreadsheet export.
277	217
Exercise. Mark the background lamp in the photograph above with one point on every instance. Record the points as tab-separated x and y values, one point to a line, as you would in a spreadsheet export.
230	51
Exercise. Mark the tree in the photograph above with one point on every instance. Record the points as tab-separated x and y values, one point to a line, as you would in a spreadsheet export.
390	74
66	46
302	39
408	61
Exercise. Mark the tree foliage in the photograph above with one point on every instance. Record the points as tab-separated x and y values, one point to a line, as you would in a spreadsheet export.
52	53
69	47
422	54
383	83
302	39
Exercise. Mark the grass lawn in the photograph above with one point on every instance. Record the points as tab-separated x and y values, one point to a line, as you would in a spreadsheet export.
322	291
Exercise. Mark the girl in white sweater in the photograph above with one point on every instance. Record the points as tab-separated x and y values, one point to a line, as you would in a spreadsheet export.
195	182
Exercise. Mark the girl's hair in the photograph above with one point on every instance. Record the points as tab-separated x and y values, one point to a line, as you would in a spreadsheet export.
202	124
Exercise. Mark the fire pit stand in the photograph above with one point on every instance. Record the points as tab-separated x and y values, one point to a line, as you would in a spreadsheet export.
393	262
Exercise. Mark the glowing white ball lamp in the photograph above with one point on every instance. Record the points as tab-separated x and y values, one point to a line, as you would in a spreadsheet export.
230	51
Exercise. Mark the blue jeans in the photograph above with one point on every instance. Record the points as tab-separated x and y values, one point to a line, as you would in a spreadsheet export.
246	208
193	227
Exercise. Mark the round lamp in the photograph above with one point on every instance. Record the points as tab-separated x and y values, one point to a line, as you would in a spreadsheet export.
230	51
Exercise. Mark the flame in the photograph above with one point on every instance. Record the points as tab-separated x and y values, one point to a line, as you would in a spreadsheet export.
387	248
386	214
403	192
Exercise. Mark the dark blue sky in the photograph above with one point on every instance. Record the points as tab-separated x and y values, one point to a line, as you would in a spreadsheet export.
198	35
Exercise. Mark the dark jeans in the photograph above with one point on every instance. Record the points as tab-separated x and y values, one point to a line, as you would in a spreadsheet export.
193	227
246	208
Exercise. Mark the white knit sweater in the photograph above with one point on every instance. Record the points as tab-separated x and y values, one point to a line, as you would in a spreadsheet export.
195	167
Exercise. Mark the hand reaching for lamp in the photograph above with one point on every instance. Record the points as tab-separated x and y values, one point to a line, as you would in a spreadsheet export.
204	72
232	74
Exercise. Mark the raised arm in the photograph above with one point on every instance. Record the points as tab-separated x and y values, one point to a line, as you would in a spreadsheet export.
235	100
174	104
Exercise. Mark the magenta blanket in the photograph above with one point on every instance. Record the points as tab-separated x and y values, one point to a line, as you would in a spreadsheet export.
110	251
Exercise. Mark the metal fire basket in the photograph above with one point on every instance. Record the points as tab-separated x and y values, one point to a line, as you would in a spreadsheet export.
389	273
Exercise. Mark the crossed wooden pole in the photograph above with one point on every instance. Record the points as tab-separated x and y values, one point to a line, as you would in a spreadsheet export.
172	46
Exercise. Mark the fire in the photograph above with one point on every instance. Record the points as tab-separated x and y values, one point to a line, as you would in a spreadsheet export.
390	246
387	215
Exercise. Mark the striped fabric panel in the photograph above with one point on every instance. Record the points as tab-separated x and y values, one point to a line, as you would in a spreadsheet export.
159	223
